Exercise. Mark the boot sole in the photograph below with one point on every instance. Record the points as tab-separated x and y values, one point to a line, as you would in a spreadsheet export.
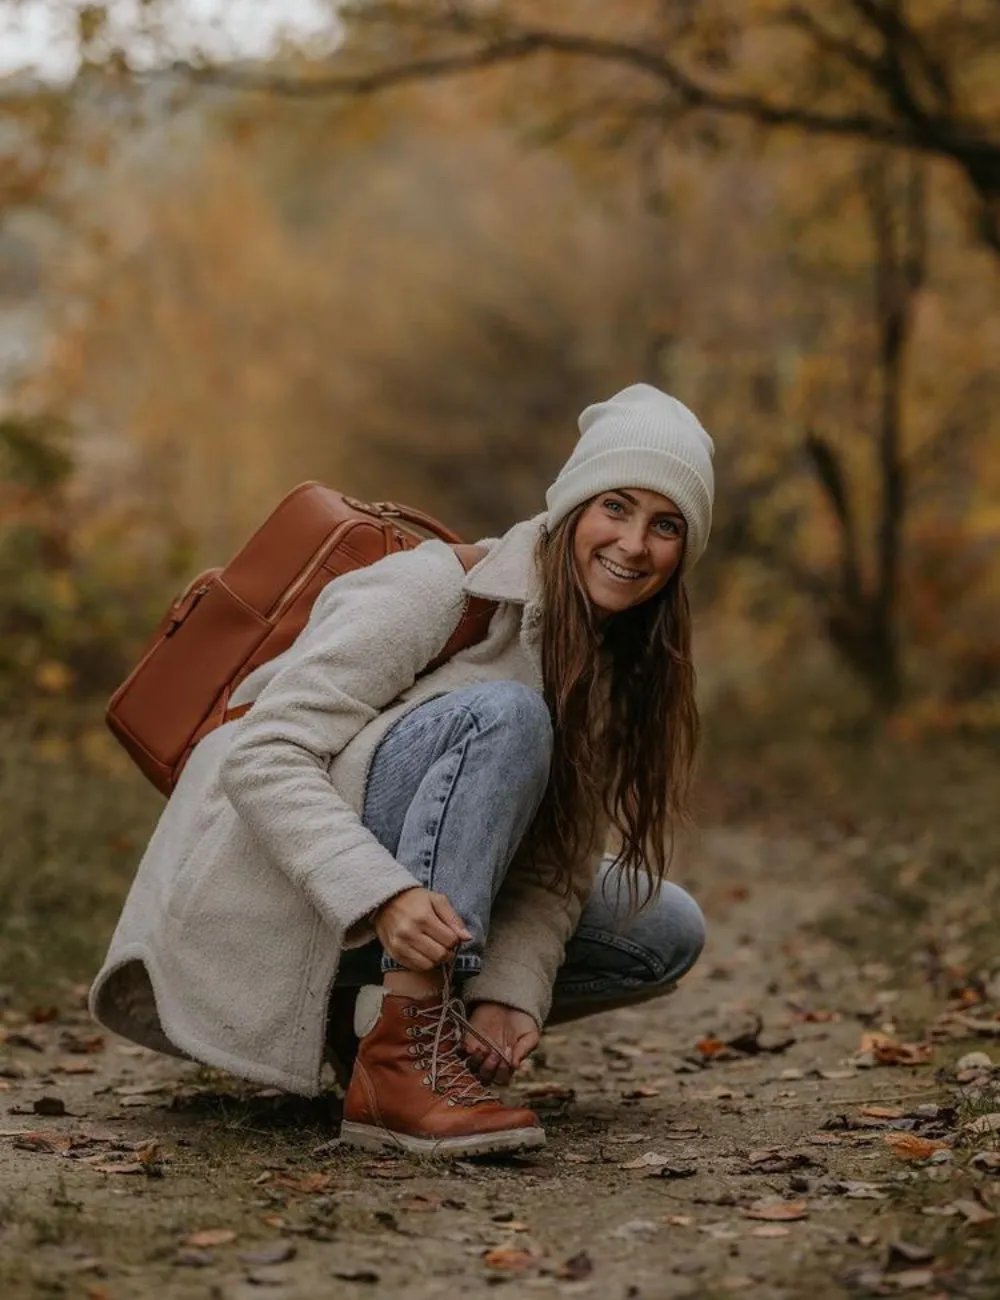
383	1139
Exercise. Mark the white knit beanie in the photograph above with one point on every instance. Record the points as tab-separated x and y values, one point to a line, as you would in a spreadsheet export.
641	438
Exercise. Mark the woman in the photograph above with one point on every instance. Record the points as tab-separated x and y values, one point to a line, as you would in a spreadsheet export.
379	832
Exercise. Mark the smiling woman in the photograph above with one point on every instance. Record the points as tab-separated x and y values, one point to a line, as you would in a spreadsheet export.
374	832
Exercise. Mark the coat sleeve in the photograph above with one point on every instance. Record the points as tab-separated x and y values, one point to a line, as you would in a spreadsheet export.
376	631
529	928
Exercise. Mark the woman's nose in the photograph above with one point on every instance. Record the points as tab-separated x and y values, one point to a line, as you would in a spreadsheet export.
633	541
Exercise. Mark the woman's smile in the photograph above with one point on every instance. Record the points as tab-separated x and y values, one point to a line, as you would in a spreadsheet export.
619	572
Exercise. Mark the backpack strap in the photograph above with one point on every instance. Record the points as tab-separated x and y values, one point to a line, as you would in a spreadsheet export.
475	621
472	626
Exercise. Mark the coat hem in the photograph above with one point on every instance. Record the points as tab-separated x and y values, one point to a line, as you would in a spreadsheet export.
190	1044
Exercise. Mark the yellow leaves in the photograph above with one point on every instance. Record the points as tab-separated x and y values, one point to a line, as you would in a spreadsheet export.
53	677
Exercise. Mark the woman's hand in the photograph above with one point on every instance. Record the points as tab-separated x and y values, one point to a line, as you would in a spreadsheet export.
419	928
515	1032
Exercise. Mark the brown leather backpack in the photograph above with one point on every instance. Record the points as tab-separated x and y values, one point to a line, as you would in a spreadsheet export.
231	620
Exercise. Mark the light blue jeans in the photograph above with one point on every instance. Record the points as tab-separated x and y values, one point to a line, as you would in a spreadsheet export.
452	789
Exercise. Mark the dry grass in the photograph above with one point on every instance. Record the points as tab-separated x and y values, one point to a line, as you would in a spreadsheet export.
74	822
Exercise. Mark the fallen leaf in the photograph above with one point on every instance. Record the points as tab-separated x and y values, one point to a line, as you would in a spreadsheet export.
23	1038
194	1258
52	1106
882	1112
974	1061
719	1093
578	1158
710	1046
575	1268
890	1051
973	1213
46	1143
390	1169
72	1065
278	1252
148	1153
649	1160
70	1040
633	1094
209	1237
910	1279
988	1160
257	1278
139	1089
510	1258
308	1183
120	1167
856	1189
907	1253
907	1146
548	1093
770	1231
984	1124
777	1211
679	1220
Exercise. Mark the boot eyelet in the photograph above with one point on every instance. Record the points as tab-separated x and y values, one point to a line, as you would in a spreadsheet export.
451	1101
418	1065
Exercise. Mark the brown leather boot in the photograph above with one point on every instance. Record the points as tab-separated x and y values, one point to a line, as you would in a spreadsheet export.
412	1088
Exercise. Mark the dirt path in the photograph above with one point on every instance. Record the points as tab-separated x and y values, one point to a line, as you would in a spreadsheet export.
647	1187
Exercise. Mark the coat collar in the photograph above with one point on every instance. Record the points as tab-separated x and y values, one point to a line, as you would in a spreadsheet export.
508	571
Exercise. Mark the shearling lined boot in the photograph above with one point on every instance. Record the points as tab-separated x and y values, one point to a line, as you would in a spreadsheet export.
413	1090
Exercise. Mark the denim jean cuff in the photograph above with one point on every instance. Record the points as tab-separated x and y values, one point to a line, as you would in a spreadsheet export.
465	964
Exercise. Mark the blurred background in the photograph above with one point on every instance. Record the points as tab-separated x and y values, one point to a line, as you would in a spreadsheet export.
398	247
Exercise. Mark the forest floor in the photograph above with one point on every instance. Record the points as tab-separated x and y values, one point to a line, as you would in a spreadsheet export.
797	1120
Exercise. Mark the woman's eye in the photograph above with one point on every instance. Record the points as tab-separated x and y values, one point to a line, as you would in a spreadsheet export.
669	527
613	506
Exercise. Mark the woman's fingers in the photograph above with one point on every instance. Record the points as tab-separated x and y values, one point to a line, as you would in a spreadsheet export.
489	1067
449	916
424	950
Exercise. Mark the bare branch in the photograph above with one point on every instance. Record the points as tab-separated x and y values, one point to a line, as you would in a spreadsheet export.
824	40
937	137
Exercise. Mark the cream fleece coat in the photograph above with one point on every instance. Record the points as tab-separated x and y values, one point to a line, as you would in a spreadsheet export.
260	873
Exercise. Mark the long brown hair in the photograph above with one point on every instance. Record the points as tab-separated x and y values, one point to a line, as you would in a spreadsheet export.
621	695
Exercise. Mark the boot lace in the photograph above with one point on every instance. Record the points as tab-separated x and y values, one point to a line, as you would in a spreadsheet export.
444	1026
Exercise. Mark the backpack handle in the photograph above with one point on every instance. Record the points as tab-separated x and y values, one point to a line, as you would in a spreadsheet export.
408	514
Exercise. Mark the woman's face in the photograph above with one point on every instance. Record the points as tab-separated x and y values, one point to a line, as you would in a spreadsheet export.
627	545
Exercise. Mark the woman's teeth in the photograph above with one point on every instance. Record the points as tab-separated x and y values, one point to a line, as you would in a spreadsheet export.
616	571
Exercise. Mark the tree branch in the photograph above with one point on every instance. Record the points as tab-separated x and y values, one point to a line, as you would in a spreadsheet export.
517	46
